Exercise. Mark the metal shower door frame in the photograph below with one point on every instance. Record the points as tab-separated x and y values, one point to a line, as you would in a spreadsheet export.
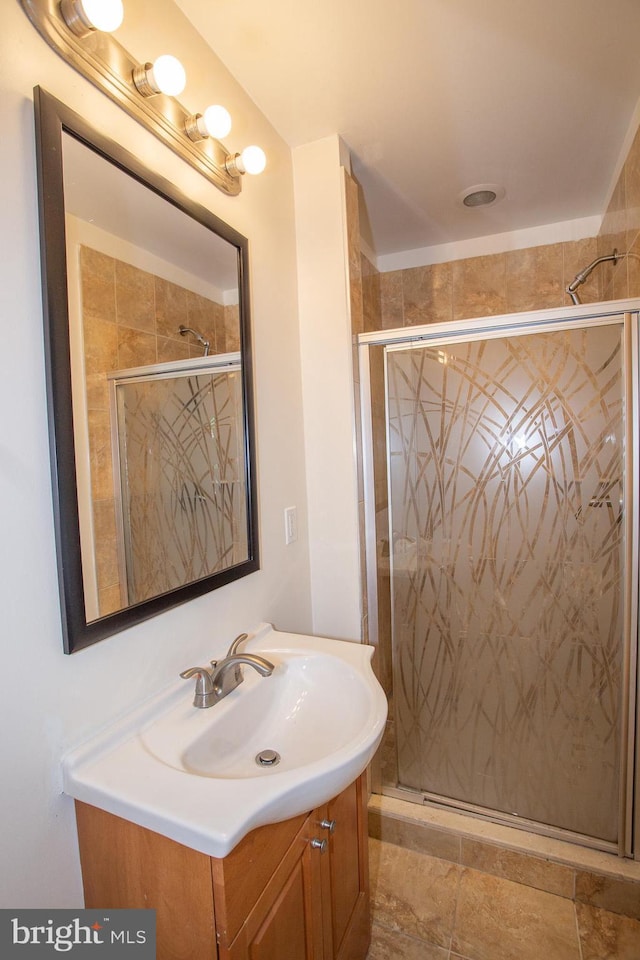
627	314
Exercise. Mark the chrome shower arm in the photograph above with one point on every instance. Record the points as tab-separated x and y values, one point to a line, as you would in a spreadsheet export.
584	274
183	331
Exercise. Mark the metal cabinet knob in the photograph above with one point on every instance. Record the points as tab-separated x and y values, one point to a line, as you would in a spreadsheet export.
320	845
329	825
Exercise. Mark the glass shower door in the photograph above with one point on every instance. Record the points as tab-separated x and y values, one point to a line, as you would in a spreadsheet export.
506	487
182	478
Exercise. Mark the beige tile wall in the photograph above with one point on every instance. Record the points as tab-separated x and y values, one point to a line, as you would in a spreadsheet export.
130	319
621	231
532	279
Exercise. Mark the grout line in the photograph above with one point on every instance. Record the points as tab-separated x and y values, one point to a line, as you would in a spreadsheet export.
575	913
414	938
455	909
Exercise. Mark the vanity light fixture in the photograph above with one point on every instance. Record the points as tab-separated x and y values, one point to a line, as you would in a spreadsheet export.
165	75
214	122
84	16
80	32
251	160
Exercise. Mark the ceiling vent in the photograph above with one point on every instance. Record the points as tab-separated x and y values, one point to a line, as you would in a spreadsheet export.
481	195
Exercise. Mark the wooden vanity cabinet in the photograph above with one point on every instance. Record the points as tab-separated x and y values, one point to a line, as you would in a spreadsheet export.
297	890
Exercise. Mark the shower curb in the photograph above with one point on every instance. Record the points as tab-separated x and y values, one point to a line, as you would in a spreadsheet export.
577	873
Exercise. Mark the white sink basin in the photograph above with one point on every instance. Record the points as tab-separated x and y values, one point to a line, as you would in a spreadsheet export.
311	707
192	774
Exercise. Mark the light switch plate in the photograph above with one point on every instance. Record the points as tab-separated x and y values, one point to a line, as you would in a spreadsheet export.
290	525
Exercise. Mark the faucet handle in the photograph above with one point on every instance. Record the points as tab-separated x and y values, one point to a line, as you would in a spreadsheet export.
233	649
204	685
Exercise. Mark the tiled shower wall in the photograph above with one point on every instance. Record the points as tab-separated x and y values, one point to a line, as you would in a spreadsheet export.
130	318
621	230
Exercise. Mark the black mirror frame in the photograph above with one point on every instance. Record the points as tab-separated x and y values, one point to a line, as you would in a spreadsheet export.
53	119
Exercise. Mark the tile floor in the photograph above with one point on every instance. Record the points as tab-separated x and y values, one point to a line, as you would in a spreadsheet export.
426	908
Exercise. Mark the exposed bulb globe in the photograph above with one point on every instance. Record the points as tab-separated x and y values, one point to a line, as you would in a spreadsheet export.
105	15
217	121
252	160
168	75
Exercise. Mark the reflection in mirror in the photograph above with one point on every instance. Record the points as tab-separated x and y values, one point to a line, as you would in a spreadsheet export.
180	486
147	285
153	378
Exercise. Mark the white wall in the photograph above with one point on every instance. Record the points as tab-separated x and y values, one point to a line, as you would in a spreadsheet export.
327	377
49	701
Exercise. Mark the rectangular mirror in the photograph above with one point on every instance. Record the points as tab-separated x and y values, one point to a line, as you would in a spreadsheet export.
147	332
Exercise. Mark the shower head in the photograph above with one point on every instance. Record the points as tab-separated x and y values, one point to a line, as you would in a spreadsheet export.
183	331
584	274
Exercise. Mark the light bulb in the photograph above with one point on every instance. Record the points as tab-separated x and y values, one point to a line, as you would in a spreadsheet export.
217	121
84	16
106	15
251	160
165	75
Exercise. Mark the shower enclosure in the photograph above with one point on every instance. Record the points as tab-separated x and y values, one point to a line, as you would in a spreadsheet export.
179	472
501	485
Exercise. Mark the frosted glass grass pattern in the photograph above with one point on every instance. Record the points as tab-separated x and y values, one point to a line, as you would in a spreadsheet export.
181	455
506	489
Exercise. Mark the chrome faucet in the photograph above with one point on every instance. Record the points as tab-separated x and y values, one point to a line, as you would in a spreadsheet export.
224	675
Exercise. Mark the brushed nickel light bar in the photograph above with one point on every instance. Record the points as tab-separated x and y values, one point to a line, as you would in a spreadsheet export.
79	31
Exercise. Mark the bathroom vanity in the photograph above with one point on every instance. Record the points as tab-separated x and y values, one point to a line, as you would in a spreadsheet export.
294	890
177	812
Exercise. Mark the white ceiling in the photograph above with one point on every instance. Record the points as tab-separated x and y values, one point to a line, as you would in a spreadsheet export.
435	96
100	193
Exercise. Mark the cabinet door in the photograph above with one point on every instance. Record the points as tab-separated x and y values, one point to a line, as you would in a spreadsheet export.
283	933
348	861
287	921
241	878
